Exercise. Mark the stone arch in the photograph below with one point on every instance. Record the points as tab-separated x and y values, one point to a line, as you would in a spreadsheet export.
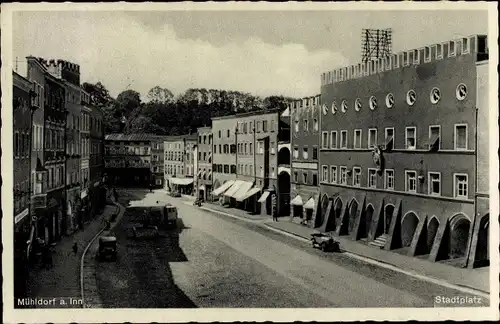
409	224
459	235
366	221
388	212
284	156
350	217
337	212
432	229
482	250
321	214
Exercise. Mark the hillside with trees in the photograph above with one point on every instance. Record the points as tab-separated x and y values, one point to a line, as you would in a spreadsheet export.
167	114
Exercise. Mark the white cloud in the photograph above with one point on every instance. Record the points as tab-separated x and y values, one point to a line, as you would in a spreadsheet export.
119	51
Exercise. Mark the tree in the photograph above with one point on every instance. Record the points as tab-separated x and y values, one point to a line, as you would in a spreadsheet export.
128	101
160	95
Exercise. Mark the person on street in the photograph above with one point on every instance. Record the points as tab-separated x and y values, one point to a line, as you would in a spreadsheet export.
75	248
275	216
150	187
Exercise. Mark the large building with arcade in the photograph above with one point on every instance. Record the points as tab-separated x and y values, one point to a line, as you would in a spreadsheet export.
403	157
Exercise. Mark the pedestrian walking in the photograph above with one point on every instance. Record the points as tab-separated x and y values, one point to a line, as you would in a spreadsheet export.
275	216
150	187
75	248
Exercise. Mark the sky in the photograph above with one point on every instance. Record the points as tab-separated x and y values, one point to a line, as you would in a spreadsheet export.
261	52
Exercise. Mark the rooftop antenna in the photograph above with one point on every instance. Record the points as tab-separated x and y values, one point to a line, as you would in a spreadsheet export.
375	44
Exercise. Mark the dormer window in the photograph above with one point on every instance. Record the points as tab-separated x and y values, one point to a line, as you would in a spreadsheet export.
405	59
427	54
451	49
388	63
416	56
381	67
465	46
439	51
395	61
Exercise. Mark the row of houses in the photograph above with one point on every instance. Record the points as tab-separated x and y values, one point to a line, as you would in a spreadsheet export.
58	148
392	153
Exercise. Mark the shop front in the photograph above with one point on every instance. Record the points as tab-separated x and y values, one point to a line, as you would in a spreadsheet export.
22	247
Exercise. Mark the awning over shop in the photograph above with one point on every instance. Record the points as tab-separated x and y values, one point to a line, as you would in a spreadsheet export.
202	187
243	190
297	201
181	181
223	188
264	196
234	188
309	204
249	194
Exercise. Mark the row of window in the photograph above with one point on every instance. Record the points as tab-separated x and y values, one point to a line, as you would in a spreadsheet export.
202	139
205	155
313	180
177	170
73	177
305	153
247	169
54	139
128	150
247	127
119	163
224	168
305	102
204	175
55	176
177	156
330	139
21	144
305	124
330	174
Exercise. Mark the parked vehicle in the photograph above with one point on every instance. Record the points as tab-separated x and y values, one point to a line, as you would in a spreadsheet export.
325	242
170	215
175	194
107	248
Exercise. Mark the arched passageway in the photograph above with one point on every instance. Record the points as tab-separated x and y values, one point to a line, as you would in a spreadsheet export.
284	193
432	229
408	227
284	156
389	211
337	212
365	221
459	236
482	252
321	216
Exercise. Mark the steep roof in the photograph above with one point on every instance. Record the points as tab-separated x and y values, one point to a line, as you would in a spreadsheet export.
129	137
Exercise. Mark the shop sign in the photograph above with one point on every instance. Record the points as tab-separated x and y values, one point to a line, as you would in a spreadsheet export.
19	217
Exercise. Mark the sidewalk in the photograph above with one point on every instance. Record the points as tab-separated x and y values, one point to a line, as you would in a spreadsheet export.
214	207
471	278
63	279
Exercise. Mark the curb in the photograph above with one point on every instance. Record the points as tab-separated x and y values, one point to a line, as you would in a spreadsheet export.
84	255
382	262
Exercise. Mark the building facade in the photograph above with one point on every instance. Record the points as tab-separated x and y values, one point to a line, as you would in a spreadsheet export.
23	93
157	161
305	137
204	168
179	163
54	155
127	160
84	203
70	74
97	192
398	143
36	74
258	145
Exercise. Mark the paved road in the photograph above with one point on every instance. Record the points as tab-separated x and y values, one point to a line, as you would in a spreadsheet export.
216	261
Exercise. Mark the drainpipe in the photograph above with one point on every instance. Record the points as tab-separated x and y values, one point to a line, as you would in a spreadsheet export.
475	192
